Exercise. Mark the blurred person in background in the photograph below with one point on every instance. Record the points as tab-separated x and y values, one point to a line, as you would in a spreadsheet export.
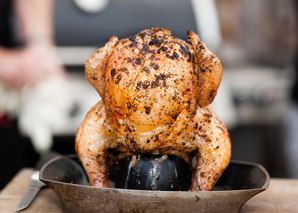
36	59
27	56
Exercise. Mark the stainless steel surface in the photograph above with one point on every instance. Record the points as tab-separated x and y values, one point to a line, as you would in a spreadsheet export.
64	176
122	18
35	184
75	55
261	93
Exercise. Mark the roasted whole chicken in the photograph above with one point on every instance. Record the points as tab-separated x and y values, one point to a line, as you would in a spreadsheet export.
156	90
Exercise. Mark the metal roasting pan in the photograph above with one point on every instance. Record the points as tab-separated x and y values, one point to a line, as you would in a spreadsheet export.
67	178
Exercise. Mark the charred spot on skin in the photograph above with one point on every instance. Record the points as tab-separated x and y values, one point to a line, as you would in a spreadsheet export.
113	72
138	61
117	42
170	57
155	84
155	41
202	174
142	35
145	49
208	115
146	70
175	55
146	84
202	70
184	50
208	140
192	58
128	129
128	59
212	93
124	69
217	147
148	141
196	126
154	66
204	136
161	76
139	85
163	49
183	143
147	110
174	116
132	38
189	104
132	140
118	79
128	104
134	43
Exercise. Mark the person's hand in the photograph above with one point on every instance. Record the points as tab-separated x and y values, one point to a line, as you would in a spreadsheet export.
42	61
12	70
29	66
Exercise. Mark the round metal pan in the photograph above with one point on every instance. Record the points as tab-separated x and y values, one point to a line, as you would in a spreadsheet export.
66	177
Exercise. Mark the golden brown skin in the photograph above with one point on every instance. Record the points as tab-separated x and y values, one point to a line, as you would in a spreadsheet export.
155	100
96	65
209	68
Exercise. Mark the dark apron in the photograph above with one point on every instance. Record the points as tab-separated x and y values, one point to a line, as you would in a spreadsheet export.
5	25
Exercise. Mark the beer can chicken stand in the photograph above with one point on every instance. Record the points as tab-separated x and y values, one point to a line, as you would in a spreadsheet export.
156	90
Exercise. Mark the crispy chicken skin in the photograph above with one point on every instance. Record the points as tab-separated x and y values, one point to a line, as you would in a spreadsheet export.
156	89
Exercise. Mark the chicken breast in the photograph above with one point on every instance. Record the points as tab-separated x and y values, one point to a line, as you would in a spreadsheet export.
156	89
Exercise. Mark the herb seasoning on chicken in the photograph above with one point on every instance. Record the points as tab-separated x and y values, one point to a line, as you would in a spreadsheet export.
156	89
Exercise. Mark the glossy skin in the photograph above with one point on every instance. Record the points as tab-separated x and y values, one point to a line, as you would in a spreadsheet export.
156	90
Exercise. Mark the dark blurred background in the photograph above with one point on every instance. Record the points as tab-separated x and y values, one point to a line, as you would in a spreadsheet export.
256	41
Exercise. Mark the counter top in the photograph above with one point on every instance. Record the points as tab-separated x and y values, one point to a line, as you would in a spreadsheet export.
281	196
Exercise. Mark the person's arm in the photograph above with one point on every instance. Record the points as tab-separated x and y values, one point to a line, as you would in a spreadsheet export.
36	18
